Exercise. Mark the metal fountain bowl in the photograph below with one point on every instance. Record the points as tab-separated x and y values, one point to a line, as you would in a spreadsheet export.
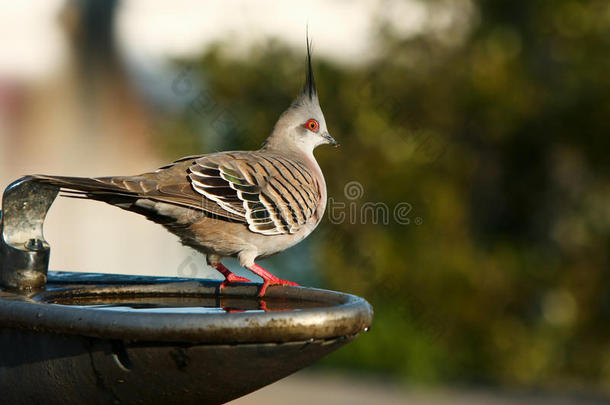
75	338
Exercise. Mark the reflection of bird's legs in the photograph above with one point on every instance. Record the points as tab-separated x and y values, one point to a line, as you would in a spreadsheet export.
230	277
268	278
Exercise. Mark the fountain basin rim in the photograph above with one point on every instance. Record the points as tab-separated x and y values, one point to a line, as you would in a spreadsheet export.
345	316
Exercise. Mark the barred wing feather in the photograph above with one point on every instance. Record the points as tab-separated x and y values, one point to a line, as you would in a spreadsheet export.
272	194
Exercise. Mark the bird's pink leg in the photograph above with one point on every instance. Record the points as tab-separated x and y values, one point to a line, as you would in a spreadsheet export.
268	278
230	277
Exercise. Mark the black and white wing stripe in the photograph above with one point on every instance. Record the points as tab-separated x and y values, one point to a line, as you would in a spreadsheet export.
272	194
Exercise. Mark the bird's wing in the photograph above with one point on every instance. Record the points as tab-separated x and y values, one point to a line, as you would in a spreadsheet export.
272	194
169	185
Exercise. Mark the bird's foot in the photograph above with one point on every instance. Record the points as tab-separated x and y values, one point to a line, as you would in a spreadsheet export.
269	279
230	277
277	281
233	278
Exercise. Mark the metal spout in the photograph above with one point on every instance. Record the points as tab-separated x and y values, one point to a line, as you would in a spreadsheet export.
24	253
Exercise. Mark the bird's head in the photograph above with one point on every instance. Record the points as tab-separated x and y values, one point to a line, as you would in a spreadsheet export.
302	125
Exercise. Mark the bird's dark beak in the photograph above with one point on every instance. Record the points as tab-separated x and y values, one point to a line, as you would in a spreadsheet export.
330	139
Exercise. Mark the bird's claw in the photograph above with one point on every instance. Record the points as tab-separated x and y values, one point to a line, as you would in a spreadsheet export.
278	281
233	278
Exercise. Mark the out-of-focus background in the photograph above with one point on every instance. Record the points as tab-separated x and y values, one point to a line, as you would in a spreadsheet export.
469	201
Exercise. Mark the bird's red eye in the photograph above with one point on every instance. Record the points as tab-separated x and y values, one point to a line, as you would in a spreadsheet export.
312	125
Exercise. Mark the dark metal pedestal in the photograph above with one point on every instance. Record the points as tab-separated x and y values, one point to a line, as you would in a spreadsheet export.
114	353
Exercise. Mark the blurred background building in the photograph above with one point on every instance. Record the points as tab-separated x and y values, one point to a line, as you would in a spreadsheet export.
469	202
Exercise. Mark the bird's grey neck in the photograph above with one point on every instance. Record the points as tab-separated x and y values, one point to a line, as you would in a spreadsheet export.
281	146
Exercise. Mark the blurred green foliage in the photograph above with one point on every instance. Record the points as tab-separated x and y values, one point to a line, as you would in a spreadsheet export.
500	145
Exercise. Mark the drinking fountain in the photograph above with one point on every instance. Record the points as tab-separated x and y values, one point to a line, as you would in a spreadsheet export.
75	338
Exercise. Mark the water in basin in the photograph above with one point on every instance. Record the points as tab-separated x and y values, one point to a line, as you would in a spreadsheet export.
183	304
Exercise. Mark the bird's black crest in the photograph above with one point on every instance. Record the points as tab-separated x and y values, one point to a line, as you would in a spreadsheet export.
310	84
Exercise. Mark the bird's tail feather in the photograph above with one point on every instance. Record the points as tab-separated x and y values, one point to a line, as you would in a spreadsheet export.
111	190
87	187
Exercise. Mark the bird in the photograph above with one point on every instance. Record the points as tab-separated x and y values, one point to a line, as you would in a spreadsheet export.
243	204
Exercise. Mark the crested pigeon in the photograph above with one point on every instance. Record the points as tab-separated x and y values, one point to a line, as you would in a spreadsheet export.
244	204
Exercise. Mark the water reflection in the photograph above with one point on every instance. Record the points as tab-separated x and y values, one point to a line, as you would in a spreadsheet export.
185	305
